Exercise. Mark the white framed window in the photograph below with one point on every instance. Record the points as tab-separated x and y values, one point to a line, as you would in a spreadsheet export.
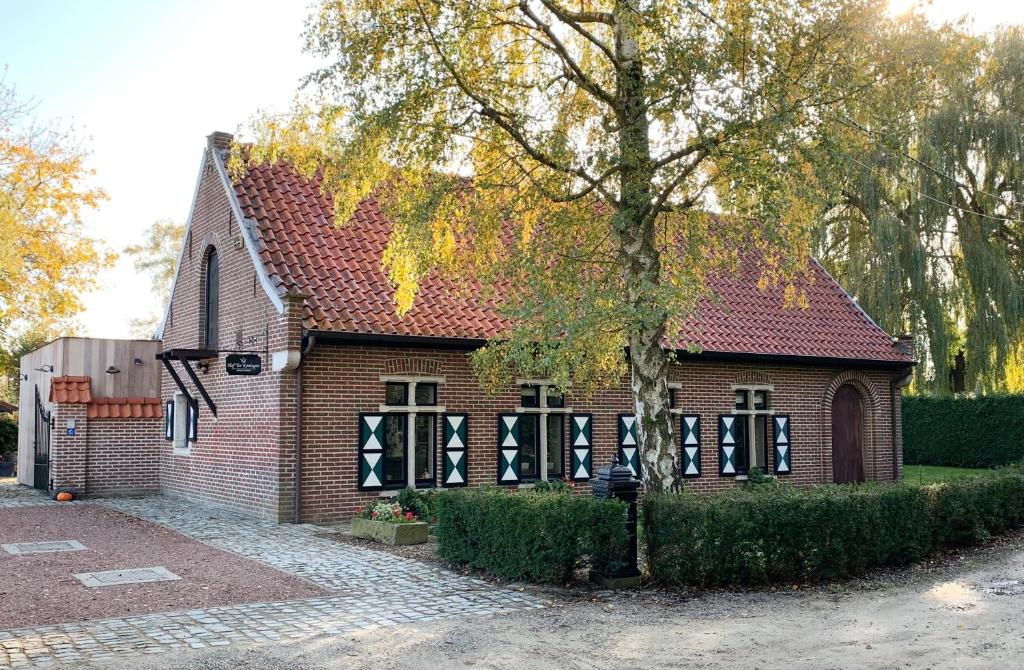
180	441
542	431
411	412
752	404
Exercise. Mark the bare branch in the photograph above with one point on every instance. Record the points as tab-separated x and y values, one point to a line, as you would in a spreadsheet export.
566	17
556	45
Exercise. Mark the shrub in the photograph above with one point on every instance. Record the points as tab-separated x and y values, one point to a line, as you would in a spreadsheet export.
536	536
969	510
962	432
8	435
763	535
417	502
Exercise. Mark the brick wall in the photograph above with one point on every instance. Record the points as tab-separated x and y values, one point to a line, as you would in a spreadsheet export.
122	457
105	456
242	458
342	381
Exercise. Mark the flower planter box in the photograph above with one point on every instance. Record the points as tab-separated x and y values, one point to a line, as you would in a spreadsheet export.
395	534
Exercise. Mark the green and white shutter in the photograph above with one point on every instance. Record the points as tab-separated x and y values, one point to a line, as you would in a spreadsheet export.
581	433
783	455
727	444
508	448
169	420
689	429
371	452
456	431
192	430
629	444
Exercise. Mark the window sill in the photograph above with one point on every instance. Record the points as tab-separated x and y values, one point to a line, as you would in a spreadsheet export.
390	493
181	451
742	478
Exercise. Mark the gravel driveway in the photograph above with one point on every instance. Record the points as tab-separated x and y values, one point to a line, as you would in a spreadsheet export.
966	611
41	589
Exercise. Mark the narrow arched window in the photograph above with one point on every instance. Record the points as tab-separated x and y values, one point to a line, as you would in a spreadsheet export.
210	313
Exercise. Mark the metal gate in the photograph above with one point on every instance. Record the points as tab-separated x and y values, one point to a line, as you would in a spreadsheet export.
41	475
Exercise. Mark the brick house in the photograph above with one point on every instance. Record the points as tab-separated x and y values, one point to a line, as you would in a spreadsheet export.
353	402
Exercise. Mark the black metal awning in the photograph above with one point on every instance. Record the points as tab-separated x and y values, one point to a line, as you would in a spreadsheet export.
184	356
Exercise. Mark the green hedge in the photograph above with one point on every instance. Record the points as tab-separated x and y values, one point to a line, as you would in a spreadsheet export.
962	432
8	434
765	535
535	536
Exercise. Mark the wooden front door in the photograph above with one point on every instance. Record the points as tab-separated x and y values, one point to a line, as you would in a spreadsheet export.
847	436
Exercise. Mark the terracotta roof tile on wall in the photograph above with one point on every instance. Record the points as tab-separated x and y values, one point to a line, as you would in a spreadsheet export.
70	389
125	408
339	269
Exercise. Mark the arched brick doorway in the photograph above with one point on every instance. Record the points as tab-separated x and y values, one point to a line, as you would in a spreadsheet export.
847	435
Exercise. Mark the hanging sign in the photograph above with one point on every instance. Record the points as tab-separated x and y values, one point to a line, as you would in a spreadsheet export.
243	364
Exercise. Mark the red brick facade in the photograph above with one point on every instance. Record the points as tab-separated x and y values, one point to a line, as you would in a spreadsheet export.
342	381
244	458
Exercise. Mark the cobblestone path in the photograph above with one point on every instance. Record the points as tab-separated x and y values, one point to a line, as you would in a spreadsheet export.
375	589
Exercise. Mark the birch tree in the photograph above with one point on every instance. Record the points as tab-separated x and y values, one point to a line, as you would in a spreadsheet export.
564	157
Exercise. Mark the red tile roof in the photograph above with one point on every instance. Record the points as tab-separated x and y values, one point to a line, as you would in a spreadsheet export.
125	408
70	389
338	268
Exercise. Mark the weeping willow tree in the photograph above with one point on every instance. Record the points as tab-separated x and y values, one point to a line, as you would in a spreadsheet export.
924	225
569	151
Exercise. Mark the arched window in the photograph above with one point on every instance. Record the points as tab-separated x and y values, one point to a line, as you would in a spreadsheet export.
210	313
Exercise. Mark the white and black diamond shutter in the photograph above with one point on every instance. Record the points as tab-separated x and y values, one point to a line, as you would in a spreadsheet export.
727	444
456	432
508	448
371	451
629	445
193	420
783	454
689	428
581	433
169	420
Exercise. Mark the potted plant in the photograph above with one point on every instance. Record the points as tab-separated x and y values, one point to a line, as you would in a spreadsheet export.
389	523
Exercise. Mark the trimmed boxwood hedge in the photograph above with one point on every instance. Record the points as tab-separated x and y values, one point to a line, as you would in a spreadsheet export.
962	432
530	535
779	534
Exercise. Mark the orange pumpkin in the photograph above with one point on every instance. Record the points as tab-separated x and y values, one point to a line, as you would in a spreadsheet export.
64	496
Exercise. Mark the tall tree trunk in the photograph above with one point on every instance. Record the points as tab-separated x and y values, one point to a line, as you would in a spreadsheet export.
641	262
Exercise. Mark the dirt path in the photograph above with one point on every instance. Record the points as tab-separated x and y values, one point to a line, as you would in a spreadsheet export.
966	613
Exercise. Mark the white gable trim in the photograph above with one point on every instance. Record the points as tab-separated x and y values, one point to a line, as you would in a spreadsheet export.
248	230
245	226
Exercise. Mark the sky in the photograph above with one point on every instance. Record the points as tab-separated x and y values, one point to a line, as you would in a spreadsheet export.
144	82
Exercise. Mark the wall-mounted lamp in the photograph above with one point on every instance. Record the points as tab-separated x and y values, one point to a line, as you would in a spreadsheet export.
112	370
137	361
44	368
203	366
24	378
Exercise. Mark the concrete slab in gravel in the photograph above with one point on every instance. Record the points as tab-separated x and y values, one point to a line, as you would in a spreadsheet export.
94	580
22	548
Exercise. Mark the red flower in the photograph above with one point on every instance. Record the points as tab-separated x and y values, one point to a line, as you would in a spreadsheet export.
409	516
398	512
373	515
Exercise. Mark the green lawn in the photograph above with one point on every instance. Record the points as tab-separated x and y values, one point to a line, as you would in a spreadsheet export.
932	474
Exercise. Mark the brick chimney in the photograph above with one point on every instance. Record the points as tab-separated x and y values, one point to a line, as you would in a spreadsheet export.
219	140
905	343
